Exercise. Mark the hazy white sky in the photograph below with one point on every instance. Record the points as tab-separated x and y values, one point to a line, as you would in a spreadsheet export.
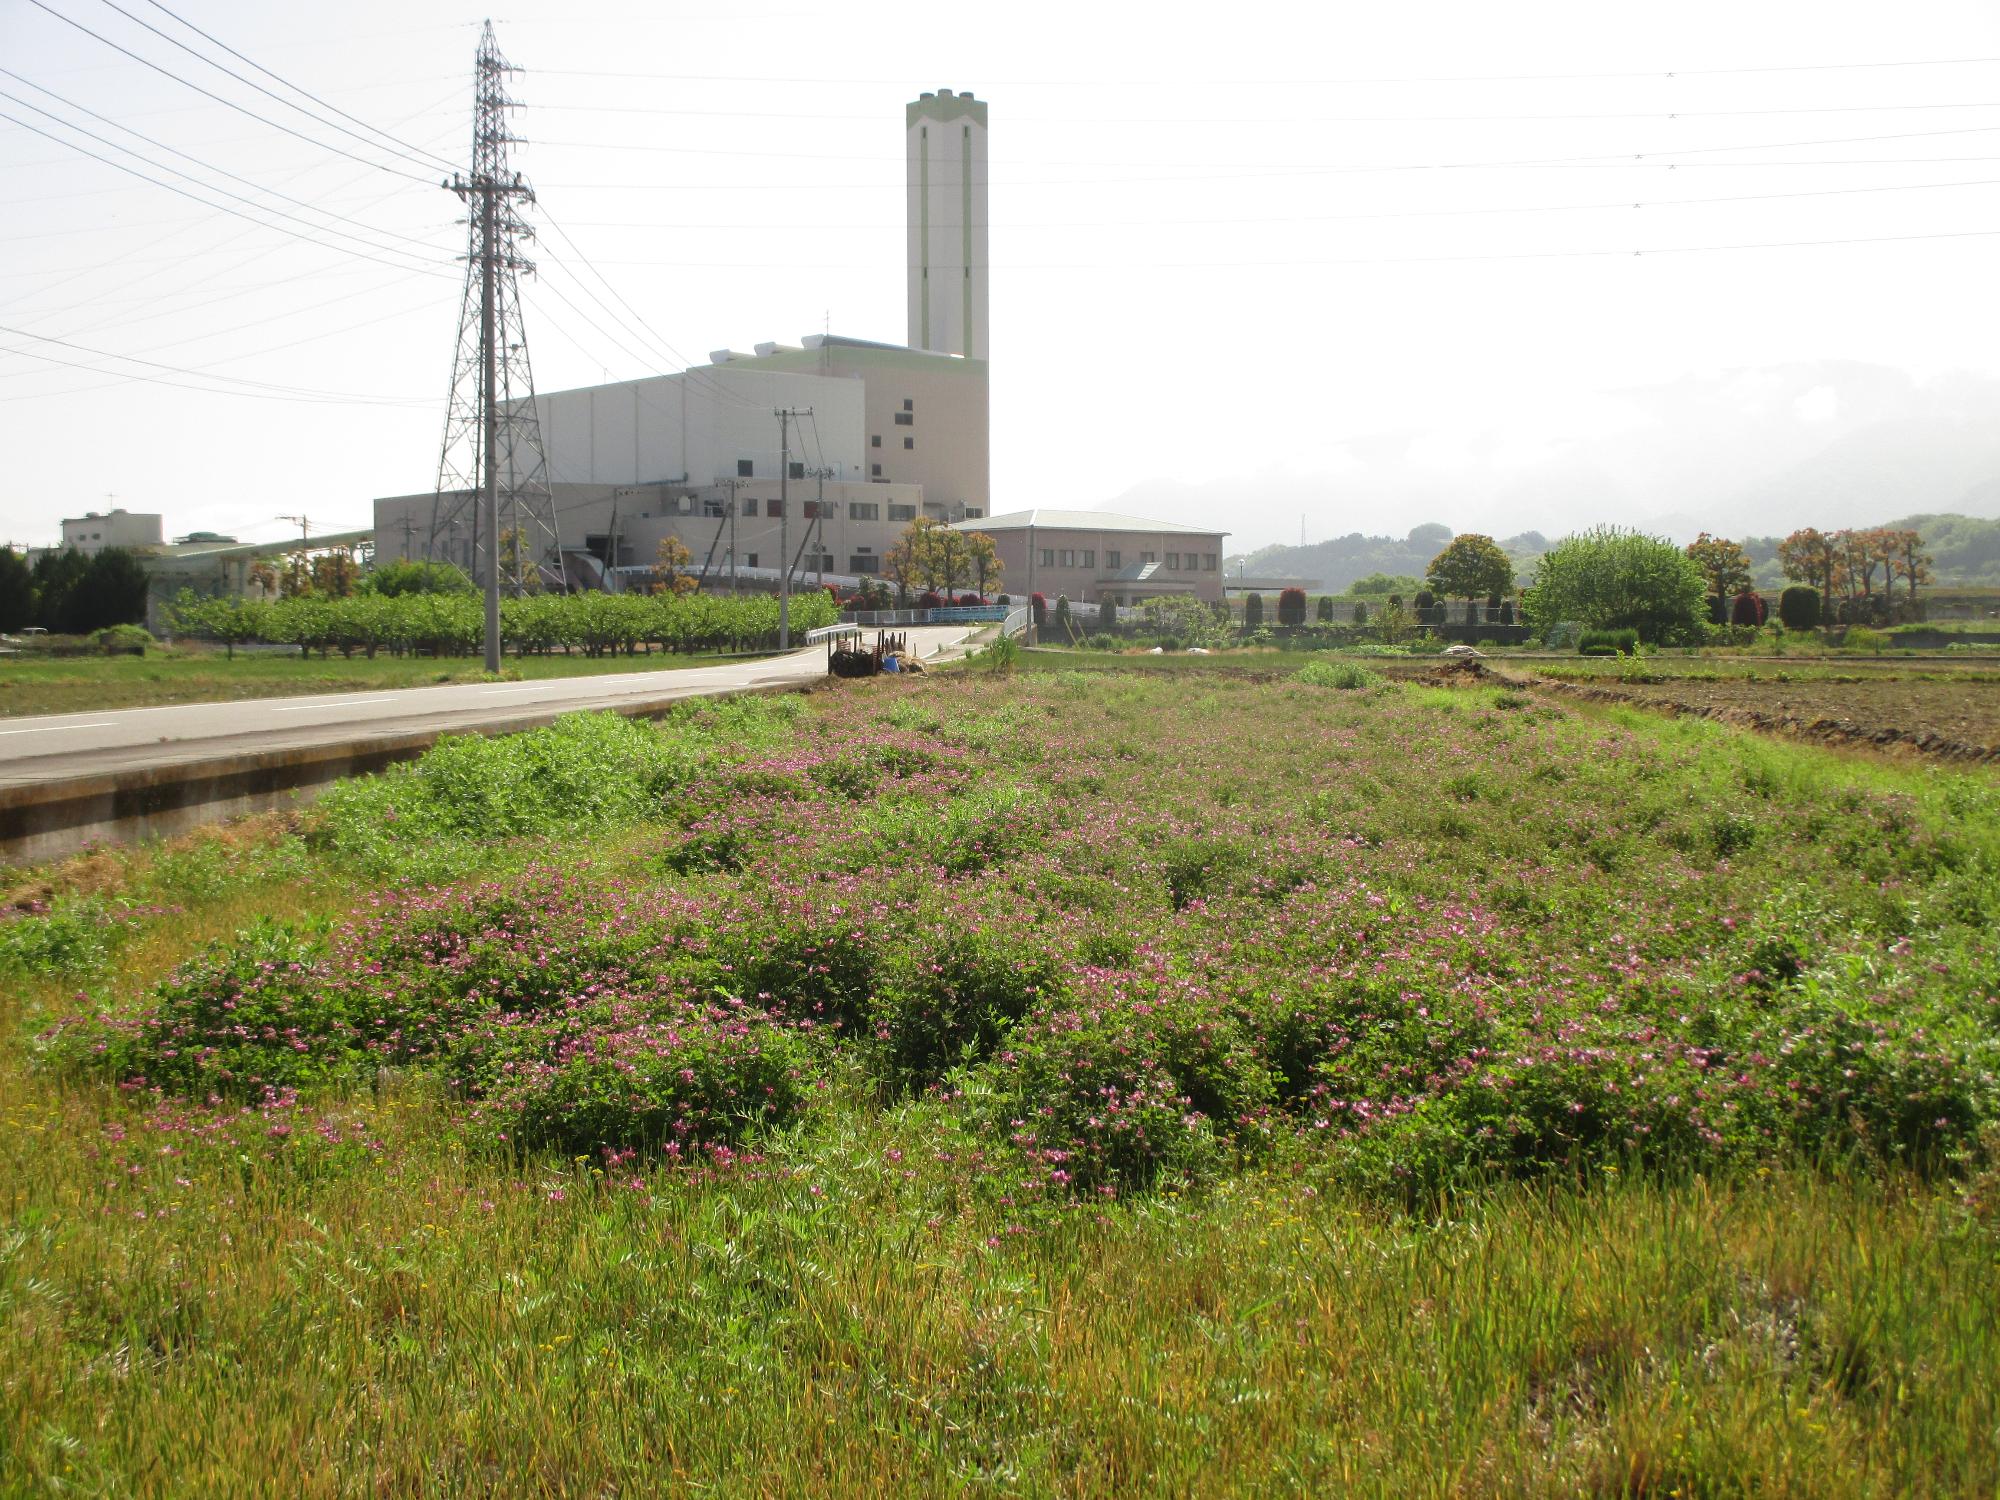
1232	244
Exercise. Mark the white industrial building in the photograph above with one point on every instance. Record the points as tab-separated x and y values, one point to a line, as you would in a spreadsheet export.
90	533
896	430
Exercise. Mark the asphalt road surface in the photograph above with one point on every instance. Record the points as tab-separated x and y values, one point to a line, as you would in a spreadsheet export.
52	746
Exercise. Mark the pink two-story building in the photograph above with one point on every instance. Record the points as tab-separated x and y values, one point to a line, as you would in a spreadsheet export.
1093	555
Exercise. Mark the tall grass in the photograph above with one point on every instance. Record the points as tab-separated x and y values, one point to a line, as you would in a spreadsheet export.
1058	987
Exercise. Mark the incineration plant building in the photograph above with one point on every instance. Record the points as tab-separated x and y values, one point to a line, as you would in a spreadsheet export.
896	431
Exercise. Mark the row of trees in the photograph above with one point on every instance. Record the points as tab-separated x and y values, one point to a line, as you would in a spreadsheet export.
1856	573
931	558
67	592
1846	566
453	623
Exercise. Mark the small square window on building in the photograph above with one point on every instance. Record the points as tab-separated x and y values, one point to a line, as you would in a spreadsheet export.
1208	562
749	559
875	441
745	469
875	471
864	510
904	419
1146	557
1173	562
798	471
1048	557
1113	559
908	404
909	442
773	509
1089	557
861	563
973	513
902	512
1069	557
749	506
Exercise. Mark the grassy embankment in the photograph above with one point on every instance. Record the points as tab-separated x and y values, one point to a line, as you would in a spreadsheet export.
31	684
1078	1084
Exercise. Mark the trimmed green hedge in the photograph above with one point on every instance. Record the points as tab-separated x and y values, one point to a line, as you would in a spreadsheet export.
453	624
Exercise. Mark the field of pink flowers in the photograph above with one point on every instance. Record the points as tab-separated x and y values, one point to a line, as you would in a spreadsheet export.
999	967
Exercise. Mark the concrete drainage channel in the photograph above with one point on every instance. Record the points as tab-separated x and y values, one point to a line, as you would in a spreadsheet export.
49	819
169	791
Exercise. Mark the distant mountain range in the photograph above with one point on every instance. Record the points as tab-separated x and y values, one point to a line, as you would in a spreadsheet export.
1965	550
1818	443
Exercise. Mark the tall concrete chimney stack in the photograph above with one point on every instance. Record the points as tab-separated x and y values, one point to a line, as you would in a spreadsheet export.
947	219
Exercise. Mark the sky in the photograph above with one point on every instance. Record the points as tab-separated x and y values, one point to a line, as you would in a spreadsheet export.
1299	269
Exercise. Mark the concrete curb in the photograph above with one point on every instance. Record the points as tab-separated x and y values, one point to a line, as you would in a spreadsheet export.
46	820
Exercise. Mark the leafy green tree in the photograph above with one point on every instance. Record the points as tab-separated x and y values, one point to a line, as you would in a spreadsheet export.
1612	579
1471	567
413	576
671	573
1182	618
983	556
335	574
1725	563
81	595
17	590
1386	583
1253	612
1811	557
56	575
1798	607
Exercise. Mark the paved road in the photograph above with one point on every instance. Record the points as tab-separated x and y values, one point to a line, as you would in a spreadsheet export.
52	746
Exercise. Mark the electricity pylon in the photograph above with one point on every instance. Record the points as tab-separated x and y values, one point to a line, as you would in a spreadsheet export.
493	475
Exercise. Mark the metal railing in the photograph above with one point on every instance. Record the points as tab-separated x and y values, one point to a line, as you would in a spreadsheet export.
951	614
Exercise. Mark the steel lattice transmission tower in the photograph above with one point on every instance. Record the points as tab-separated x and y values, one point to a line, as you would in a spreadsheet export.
493	476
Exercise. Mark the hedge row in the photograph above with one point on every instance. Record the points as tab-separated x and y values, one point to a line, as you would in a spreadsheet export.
454	624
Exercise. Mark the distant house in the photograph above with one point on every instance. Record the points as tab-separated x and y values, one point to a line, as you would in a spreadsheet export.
1094	555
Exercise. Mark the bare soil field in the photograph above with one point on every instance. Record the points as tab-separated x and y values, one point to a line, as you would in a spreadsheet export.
1957	716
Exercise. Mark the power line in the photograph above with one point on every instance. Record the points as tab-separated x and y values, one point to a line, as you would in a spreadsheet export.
277	317
1203	121
1125	262
229	270
206	370
218	98
1312	169
184	156
1411	213
409	148
251	83
1621	164
715	389
266	389
1097	83
220	207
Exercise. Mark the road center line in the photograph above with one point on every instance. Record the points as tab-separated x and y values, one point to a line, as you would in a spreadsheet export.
53	728
306	708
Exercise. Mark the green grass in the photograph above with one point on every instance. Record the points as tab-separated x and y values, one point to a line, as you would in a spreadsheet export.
954	913
196	674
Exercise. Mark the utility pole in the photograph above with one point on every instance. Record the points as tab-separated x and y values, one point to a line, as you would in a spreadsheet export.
785	415
730	484
822	474
305	531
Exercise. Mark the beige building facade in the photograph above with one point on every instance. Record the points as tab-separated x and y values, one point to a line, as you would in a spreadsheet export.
1090	556
91	532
